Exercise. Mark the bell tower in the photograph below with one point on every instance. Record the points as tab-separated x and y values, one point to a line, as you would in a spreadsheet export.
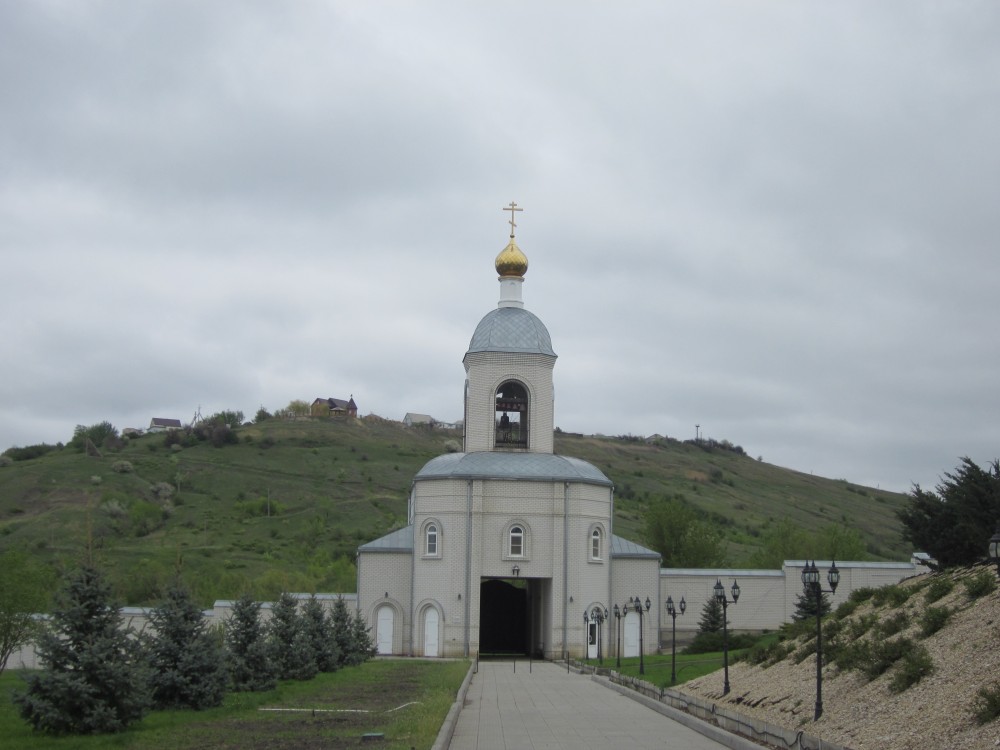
508	386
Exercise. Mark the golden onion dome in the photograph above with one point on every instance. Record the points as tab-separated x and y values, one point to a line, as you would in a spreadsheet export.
511	261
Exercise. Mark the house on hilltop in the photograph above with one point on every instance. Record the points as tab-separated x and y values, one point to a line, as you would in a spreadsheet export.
159	424
412	419
334	407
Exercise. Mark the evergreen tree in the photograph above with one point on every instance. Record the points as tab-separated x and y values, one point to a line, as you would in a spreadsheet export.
342	631
954	523
319	628
247	657
94	678
188	665
290	646
361	643
805	606
711	617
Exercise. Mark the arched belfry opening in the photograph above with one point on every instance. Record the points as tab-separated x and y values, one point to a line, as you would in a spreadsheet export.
512	415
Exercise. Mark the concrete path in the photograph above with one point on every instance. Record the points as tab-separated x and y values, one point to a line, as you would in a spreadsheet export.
548	708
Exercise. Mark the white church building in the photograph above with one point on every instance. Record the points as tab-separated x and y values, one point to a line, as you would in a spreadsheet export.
510	548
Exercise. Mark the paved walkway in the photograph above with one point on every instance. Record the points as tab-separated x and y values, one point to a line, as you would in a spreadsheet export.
548	708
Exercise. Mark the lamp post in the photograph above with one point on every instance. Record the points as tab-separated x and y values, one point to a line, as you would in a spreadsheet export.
586	635
720	596
811	585
618	631
993	554
672	611
637	606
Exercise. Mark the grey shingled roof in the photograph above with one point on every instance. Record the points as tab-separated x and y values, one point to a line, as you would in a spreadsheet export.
541	467
625	548
400	540
511	329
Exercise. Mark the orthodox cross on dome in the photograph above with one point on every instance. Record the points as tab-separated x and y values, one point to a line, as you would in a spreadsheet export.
512	208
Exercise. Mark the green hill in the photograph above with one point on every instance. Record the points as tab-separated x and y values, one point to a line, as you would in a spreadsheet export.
285	506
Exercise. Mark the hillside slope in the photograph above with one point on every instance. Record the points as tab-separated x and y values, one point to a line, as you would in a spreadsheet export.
286	505
875	714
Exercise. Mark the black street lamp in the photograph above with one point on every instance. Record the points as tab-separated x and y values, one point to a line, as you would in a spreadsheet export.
811	585
637	606
586	635
672	611
618	630
720	596
993	554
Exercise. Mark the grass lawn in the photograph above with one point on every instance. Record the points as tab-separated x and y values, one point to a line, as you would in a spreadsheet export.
406	700
689	666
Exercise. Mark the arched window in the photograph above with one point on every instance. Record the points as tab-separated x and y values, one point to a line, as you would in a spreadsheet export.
512	415
595	545
431	536
516	547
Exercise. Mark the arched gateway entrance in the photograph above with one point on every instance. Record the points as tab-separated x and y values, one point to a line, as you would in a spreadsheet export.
505	617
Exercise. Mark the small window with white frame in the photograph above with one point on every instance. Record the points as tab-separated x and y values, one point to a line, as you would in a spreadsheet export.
516	544
432	539
596	544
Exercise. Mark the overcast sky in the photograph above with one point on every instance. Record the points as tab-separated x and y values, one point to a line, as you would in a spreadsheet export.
778	221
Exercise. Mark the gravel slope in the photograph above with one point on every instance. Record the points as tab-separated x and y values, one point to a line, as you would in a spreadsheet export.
934	713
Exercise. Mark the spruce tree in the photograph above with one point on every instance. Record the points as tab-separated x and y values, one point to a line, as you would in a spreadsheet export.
805	606
361	642
711	617
247	658
188	665
290	646
319	628
342	631
94	677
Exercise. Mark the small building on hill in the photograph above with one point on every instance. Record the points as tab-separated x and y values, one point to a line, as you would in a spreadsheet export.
160	424
334	407
411	419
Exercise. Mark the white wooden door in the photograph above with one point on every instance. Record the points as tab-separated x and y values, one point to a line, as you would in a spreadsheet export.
630	646
591	640
431	632
383	630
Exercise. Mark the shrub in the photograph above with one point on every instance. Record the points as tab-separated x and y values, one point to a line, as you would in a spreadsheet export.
145	517
933	619
26	453
162	491
981	584
914	665
894	596
122	467
861	595
857	628
260	507
846	609
937	589
986	706
705	643
766	655
893	624
882	654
